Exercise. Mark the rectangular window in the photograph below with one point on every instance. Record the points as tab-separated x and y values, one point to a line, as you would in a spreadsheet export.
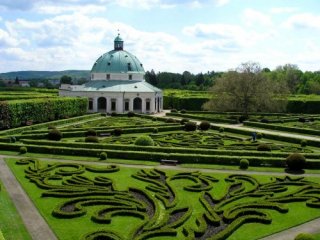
90	103
113	105
108	76
126	105
130	77
148	106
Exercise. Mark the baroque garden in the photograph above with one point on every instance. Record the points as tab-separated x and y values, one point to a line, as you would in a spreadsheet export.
119	172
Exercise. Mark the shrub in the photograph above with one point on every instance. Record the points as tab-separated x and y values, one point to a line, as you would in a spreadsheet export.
303	143
131	114
113	114
91	132
311	119
204	125
117	132
221	129
103	156
296	161
302	119
243	118
51	127
264	147
190	126
23	150
155	130
170	120
55	135
259	135
13	139
144	140
264	120
183	111
183	121
304	236
92	139
244	164
174	110
154	119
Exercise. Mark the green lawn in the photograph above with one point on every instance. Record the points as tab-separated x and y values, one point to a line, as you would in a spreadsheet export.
11	224
185	197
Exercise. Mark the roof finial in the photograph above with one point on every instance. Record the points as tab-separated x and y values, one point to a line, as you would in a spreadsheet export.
118	32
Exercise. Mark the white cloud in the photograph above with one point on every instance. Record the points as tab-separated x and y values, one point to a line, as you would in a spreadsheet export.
283	10
253	17
303	21
221	3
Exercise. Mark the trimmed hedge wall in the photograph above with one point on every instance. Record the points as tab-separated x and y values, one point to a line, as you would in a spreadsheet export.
183	103
43	125
238	153
195	104
155	156
17	113
283	128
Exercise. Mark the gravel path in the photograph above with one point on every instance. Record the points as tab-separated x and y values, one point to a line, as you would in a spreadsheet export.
35	224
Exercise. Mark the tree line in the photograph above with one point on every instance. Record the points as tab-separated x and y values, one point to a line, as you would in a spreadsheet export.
297	81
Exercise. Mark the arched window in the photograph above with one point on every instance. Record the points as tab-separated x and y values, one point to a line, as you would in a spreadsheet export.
102	104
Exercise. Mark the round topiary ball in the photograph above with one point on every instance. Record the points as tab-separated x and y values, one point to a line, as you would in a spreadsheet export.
244	164
144	140
174	110
23	150
117	132
91	132
183	111
131	114
296	161
103	156
183	121
190	126
264	147
303	143
155	130
221	129
114	114
259	135
204	125
91	139
170	120
304	236
54	135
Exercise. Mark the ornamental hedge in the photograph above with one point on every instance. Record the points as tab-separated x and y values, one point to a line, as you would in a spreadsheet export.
20	112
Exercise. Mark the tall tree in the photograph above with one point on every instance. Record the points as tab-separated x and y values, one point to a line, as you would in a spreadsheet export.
246	90
66	79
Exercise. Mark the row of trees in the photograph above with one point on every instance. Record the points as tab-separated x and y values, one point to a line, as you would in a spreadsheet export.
298	82
186	80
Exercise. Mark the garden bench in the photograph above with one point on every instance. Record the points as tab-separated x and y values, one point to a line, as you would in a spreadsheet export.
169	162
104	134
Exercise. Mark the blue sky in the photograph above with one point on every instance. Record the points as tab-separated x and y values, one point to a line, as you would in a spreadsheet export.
166	35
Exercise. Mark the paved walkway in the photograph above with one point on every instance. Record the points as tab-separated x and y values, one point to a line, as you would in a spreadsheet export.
35	224
289	234
268	131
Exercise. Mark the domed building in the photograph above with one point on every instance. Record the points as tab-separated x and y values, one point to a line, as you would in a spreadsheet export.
117	84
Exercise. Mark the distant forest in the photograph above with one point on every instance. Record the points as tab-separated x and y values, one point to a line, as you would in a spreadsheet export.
298	82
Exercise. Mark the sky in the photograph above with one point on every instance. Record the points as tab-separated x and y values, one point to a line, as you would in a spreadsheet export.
165	35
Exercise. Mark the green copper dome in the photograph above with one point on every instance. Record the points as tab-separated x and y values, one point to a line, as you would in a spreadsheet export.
117	61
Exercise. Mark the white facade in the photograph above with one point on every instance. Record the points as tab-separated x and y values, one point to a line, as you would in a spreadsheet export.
119	102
